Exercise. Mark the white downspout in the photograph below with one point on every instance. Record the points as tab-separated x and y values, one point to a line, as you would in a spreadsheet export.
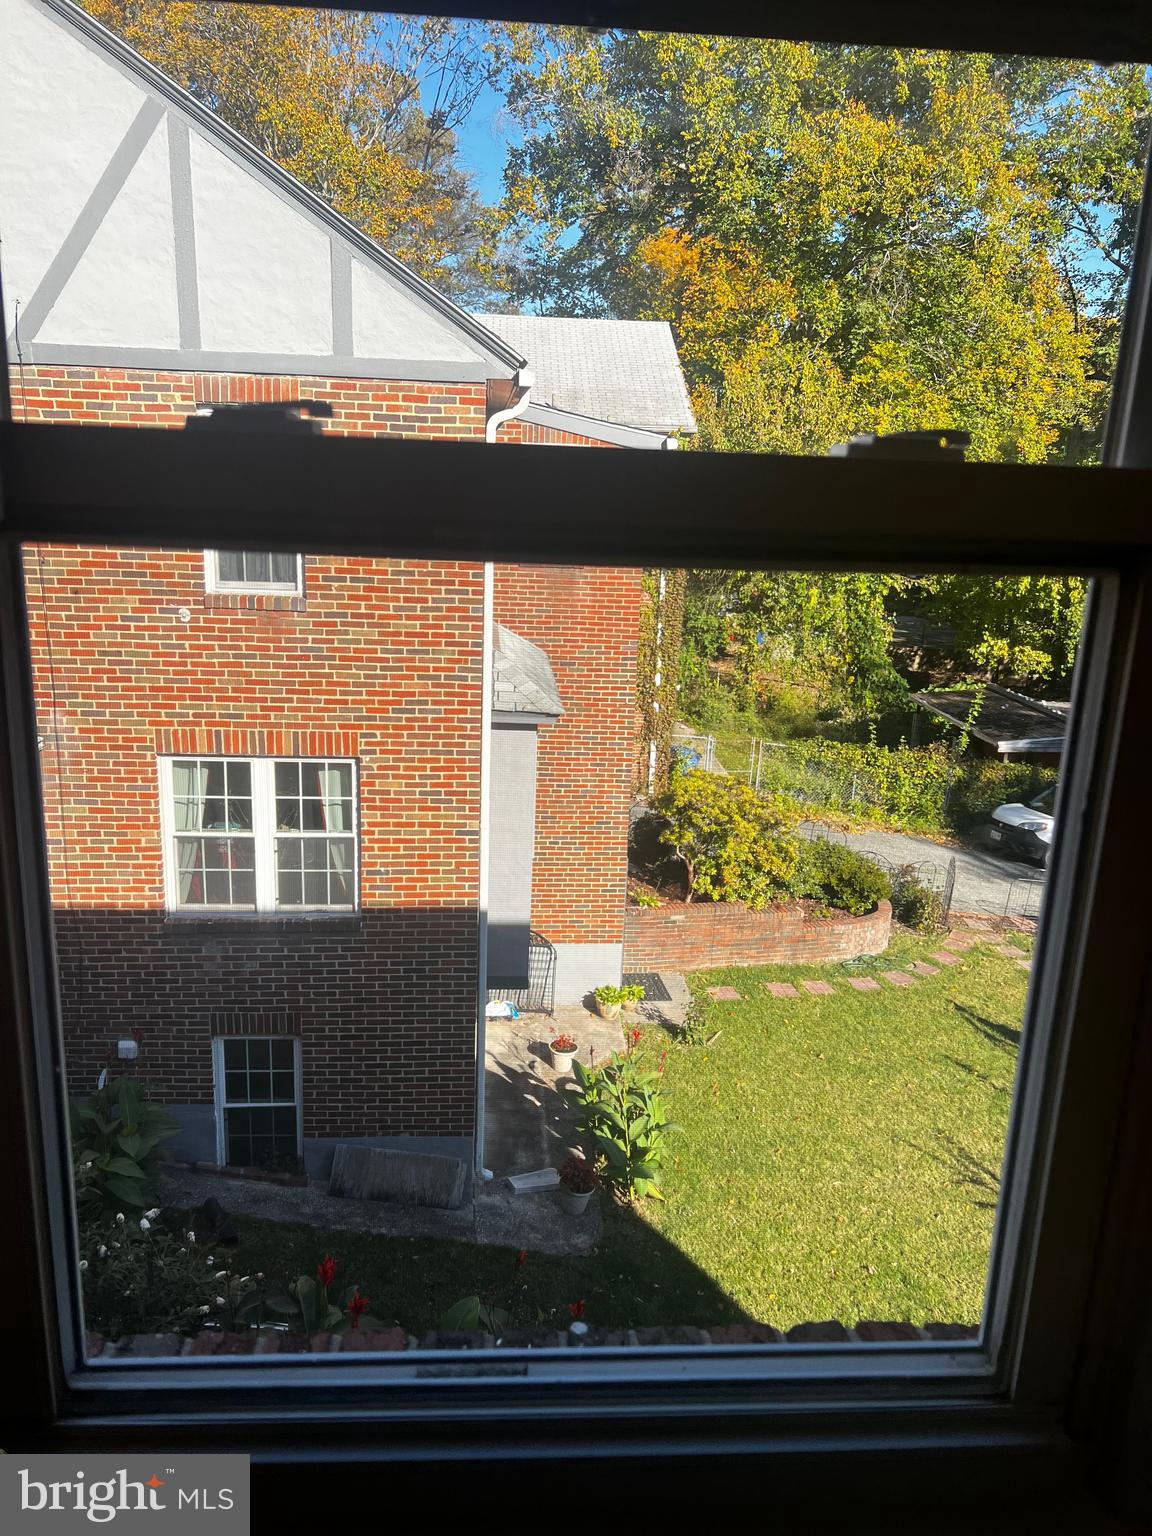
486	674
523	382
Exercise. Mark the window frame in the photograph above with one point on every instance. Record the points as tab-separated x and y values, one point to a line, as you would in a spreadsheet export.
222	1104
215	584
1085	1232
264	835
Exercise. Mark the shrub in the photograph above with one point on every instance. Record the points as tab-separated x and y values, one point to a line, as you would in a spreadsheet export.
735	844
843	878
622	1108
904	785
138	1277
915	904
116	1148
644	899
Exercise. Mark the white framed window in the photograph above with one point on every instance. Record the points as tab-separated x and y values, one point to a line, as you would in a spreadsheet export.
258	1100
253	570
259	834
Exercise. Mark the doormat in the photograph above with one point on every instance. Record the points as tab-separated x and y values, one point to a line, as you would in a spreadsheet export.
654	989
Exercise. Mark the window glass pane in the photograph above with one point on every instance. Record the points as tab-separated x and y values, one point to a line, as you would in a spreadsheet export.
284	569
230	565
257	566
847	762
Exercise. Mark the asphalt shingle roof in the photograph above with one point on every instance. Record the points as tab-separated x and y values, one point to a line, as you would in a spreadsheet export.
522	678
624	371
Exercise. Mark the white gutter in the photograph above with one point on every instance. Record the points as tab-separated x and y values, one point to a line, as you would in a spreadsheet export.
486	679
523	382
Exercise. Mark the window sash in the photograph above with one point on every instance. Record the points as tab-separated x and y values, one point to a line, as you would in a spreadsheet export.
214	581
265	838
222	1103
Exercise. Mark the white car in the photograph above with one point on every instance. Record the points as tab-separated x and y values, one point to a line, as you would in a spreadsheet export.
1026	829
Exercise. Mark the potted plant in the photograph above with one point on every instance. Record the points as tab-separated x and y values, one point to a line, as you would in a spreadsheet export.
578	1183
563	1049
610	1000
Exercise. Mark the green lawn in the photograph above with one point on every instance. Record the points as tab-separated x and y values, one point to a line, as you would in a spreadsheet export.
839	1158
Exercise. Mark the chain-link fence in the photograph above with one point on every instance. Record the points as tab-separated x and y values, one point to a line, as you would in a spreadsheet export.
775	766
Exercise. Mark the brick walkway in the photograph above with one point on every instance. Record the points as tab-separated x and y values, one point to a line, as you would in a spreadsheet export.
971	933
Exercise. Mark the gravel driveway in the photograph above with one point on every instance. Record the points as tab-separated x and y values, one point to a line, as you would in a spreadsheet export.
986	881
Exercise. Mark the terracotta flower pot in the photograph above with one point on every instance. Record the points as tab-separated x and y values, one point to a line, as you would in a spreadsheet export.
607	1010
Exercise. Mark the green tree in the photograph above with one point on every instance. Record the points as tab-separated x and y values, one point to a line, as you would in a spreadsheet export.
843	239
1021	629
735	844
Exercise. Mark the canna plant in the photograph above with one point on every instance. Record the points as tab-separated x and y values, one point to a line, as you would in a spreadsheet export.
621	1107
310	1305
117	1137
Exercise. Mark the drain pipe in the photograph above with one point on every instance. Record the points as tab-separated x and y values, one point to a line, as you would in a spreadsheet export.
486	677
521	383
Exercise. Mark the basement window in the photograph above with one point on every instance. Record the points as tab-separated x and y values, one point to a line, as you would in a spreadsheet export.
253	570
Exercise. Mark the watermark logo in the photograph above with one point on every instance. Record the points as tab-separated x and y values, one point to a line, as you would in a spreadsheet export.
160	1493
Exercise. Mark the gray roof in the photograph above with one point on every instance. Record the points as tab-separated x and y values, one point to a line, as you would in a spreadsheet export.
626	371
1008	721
523	682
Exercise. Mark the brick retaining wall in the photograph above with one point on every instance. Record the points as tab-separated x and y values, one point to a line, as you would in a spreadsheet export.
706	935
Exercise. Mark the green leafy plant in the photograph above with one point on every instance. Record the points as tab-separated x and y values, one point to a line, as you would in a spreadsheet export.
117	1137
644	899
835	874
311	1305
915	904
695	1029
472	1314
622	996
734	844
981	786
621	1107
139	1277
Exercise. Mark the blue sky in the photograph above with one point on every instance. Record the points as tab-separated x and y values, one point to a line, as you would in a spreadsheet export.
483	142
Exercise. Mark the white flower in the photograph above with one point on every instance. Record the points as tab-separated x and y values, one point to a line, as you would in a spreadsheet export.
88	1164
153	1213
209	1261
203	1311
119	1218
220	1301
83	1263
102	1251
259	1275
221	1274
145	1224
244	1279
189	1237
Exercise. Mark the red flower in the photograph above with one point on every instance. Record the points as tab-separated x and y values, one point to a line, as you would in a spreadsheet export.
326	1270
635	1038
577	1310
357	1306
521	1259
663	1059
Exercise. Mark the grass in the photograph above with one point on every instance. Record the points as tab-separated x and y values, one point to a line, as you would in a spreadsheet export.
839	1158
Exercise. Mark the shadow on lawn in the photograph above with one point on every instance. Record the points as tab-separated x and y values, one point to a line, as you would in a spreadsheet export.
964	1167
1005	1037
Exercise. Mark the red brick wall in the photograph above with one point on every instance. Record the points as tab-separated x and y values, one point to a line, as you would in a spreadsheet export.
517	431
381	661
586	620
142	398
707	935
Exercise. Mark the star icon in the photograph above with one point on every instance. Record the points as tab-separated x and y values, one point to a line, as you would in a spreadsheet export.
154	1482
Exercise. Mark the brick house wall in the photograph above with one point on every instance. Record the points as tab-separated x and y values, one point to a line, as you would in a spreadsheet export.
586	620
383	1001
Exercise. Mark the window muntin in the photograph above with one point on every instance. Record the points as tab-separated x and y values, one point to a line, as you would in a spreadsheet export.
258	1100
259	834
253	570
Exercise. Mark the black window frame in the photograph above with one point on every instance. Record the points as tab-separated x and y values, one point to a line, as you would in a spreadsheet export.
1071	1316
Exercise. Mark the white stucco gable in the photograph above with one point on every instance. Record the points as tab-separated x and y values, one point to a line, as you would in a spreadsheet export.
139	231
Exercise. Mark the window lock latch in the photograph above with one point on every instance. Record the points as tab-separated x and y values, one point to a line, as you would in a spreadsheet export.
945	446
270	418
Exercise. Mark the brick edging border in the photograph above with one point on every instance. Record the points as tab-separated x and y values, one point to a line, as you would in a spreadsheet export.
271	1341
